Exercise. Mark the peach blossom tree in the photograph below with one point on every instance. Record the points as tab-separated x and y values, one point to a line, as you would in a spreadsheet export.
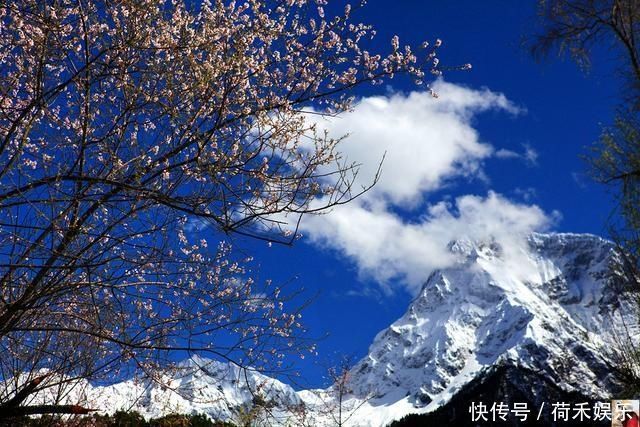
122	124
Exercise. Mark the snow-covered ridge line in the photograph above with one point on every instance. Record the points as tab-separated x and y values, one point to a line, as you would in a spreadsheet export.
550	306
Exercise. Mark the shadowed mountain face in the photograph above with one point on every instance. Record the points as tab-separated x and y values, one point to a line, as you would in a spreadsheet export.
509	385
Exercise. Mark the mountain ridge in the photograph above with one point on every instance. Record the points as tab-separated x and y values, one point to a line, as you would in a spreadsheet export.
550	308
549	305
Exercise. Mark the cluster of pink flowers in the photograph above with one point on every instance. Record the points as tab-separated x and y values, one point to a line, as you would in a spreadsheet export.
124	123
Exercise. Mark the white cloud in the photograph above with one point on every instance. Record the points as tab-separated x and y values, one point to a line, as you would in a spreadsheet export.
503	153
390	249
425	141
528	155
580	179
527	194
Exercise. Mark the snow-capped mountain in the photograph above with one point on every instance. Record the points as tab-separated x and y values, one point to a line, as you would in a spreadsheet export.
199	385
551	308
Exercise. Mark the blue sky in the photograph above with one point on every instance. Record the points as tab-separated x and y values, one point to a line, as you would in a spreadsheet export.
554	111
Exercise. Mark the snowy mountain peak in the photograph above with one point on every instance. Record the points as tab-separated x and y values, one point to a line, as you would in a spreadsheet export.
471	249
549	306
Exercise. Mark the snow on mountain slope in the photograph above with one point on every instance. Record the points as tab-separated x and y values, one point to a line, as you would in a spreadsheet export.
550	307
221	390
